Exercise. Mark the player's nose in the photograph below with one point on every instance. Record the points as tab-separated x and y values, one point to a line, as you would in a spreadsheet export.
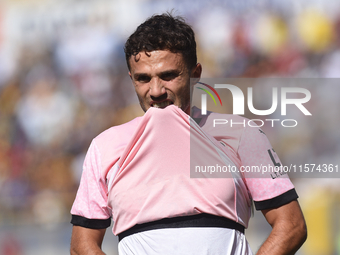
156	88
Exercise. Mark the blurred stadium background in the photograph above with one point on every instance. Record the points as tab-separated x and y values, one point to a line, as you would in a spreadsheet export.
63	80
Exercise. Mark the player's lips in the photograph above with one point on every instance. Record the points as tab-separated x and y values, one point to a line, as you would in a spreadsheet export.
162	104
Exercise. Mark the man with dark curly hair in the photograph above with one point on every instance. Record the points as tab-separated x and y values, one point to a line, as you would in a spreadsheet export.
138	173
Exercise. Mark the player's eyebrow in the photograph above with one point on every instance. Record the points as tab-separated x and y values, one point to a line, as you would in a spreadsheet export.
171	72
136	76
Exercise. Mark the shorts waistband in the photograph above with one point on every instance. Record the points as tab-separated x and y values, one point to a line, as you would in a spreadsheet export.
198	220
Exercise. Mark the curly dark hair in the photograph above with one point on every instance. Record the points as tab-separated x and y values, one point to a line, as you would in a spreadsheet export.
163	32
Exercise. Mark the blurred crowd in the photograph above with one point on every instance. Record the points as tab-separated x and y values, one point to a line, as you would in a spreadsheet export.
58	92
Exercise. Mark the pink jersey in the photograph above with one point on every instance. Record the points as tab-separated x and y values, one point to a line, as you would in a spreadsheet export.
140	171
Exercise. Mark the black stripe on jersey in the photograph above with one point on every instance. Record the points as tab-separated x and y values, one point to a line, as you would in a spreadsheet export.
90	223
278	201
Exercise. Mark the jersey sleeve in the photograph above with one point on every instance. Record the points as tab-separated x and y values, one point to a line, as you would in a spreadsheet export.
90	206
269	189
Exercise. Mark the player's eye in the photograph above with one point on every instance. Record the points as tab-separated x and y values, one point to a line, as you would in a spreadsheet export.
143	78
169	76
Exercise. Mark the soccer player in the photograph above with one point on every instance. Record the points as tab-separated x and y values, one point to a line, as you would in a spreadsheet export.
138	173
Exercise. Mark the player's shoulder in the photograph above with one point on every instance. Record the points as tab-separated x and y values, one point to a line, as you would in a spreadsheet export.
117	133
226	125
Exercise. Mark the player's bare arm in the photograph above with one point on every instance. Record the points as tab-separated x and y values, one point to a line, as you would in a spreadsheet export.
289	230
85	241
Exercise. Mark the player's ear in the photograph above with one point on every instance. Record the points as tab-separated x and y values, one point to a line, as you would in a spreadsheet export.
196	74
130	75
196	71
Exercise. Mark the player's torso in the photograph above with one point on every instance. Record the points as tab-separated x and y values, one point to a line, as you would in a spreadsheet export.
151	180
